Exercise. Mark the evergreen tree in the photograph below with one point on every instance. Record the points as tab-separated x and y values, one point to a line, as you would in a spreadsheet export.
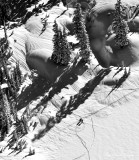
9	80
56	44
17	77
52	3
65	49
78	22
81	33
10	93
24	126
61	49
120	26
13	110
3	122
4	48
6	107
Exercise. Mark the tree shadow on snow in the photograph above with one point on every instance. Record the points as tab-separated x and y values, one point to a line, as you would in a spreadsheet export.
68	77
40	85
75	101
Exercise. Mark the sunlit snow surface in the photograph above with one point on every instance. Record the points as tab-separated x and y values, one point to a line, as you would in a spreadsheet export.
110	125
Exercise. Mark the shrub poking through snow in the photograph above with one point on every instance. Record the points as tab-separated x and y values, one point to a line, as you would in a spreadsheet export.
61	51
81	34
120	26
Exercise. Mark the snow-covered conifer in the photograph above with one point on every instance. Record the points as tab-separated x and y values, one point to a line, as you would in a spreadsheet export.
81	33
61	48
56	44
65	49
120	26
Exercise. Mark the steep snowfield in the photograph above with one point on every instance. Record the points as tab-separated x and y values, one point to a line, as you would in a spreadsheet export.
110	124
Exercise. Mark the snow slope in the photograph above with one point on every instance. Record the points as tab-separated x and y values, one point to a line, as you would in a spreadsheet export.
110	124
